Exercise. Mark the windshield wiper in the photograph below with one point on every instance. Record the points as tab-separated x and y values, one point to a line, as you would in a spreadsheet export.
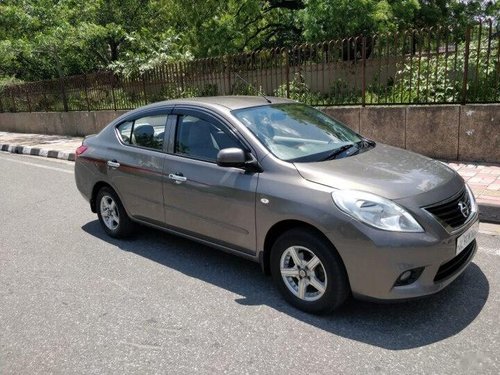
338	151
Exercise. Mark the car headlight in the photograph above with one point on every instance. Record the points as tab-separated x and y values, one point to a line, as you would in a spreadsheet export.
375	211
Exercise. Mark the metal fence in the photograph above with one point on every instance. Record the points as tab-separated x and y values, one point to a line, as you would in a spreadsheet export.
427	66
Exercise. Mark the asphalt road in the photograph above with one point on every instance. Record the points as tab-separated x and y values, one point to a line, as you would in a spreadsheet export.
75	301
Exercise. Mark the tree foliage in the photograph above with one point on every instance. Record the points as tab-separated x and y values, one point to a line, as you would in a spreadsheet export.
42	39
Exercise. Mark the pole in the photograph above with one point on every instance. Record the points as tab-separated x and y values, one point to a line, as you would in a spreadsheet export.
363	83
466	65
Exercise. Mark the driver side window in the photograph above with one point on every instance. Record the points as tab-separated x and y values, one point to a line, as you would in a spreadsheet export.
200	139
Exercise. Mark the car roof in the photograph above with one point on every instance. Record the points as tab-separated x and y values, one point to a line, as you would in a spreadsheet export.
230	102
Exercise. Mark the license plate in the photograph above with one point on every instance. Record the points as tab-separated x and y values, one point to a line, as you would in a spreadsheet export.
466	238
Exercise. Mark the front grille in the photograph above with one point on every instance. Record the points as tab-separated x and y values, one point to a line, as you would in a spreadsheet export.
449	212
452	266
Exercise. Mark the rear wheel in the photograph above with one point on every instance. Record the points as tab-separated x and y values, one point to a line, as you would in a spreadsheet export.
308	272
112	215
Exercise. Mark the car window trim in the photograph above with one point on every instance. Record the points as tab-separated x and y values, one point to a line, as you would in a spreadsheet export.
170	134
137	116
209	116
118	133
138	146
174	135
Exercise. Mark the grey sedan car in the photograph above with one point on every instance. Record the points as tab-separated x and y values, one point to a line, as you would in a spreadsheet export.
327	212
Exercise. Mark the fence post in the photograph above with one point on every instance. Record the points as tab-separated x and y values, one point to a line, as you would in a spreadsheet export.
466	65
13	99
63	93
28	98
46	101
144	88
113	90
287	67
363	83
228	68
85	86
1	102
181	77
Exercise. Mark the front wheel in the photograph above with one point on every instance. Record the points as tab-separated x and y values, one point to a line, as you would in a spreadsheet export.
308	272
112	215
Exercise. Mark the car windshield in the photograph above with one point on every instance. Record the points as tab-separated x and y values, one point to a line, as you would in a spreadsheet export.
299	133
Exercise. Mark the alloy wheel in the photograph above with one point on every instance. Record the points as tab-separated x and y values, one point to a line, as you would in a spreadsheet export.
303	273
109	212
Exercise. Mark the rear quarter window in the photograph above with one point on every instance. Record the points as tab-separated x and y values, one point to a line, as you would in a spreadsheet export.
125	131
147	132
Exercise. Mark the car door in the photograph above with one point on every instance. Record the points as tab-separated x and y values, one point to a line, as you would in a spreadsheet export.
135	165
201	198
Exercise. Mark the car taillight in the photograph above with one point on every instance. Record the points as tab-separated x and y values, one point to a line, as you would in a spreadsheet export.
80	150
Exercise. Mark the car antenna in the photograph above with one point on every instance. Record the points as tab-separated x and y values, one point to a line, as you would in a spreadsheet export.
249	84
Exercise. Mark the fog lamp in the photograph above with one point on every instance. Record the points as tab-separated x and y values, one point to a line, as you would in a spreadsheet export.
409	276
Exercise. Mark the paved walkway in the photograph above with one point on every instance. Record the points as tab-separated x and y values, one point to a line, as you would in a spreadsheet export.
484	179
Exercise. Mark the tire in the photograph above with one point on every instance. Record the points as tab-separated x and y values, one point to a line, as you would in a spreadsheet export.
112	216
317	287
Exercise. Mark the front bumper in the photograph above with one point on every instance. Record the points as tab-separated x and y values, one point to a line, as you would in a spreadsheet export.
375	259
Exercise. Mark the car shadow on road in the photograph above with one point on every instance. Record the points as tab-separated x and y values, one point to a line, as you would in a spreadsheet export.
394	326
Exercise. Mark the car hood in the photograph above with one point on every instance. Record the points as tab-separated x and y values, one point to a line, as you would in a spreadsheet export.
387	171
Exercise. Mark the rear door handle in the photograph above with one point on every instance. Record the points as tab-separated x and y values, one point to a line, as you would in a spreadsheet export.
177	177
113	164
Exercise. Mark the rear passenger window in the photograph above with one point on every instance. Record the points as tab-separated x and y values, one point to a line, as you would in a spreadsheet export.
144	132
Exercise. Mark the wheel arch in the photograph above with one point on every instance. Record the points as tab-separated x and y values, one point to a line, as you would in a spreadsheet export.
277	230
95	190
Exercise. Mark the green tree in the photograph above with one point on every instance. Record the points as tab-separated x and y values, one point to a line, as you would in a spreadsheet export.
218	27
39	39
324	19
42	39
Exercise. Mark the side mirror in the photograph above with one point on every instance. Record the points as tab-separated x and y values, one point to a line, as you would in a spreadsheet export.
231	157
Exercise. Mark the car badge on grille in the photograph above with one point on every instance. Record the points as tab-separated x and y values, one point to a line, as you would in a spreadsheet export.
464	209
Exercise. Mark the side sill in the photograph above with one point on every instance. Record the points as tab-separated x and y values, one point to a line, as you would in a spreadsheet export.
243	253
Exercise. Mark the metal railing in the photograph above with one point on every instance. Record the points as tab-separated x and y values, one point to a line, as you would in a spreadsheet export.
427	66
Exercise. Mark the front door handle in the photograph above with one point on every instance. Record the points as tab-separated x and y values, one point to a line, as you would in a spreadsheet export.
177	177
113	164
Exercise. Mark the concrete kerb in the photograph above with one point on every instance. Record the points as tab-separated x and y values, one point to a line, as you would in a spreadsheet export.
35	151
489	213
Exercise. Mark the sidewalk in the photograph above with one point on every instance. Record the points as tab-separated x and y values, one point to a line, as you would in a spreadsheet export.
52	146
484	179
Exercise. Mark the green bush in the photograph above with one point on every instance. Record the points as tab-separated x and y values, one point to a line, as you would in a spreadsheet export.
435	79
299	90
